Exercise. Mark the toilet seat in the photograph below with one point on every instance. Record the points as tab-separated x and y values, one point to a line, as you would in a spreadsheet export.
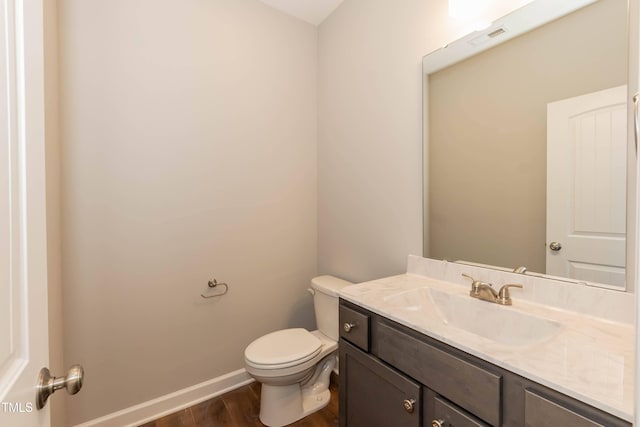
283	349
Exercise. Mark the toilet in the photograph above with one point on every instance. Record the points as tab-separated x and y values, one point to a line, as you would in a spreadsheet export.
295	365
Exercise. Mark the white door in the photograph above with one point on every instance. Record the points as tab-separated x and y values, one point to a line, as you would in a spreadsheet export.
586	187
23	282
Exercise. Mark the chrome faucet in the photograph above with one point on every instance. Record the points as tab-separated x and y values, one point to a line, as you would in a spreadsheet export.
485	292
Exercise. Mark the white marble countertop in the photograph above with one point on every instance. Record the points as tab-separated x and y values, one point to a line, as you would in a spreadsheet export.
590	359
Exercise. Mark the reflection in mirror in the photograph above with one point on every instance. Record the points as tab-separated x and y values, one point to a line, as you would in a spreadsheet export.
498	191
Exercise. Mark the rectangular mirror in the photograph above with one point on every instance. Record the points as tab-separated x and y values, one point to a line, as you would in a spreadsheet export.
526	144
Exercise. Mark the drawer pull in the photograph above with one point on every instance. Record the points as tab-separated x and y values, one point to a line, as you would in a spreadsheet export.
437	423
349	326
409	405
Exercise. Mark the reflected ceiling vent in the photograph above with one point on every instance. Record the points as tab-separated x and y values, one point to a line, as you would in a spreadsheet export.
492	34
497	32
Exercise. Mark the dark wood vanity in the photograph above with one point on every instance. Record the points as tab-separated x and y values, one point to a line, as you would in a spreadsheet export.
393	376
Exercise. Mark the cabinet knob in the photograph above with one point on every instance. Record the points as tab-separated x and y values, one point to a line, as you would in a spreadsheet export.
349	326
437	423
409	405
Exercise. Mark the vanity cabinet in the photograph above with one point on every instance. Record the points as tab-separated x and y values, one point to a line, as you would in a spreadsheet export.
393	376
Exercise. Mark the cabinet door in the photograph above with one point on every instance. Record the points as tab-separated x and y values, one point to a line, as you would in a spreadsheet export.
373	394
542	412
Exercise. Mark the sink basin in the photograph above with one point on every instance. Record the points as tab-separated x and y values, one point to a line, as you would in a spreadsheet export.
493	322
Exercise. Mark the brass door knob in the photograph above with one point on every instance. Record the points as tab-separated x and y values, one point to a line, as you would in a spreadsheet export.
409	405
437	423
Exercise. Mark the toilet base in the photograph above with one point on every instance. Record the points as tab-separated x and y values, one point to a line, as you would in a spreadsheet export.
283	405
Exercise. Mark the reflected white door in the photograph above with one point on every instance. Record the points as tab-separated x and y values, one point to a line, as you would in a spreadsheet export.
23	282
586	187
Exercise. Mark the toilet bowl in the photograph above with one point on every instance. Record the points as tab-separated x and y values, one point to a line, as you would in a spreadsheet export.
295	365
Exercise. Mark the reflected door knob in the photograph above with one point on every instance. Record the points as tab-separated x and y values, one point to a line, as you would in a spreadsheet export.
555	246
47	385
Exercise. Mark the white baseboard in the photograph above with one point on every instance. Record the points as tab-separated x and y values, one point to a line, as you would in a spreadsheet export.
173	402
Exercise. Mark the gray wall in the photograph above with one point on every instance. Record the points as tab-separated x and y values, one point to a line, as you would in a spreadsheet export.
188	152
370	133
487	134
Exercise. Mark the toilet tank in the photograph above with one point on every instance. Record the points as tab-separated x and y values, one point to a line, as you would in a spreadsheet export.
325	303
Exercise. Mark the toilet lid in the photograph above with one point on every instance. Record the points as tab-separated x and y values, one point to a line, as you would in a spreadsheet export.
284	348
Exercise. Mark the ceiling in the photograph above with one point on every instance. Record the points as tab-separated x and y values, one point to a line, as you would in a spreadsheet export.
311	11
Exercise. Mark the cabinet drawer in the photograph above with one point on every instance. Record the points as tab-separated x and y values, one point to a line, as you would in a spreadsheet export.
354	327
542	412
469	386
450	415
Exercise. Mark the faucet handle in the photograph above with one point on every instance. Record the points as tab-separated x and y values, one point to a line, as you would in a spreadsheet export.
468	277
475	283
504	297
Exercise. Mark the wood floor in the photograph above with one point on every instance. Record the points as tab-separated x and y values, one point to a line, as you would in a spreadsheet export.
240	408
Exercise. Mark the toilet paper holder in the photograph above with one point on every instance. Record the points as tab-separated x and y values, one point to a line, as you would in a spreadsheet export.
214	284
